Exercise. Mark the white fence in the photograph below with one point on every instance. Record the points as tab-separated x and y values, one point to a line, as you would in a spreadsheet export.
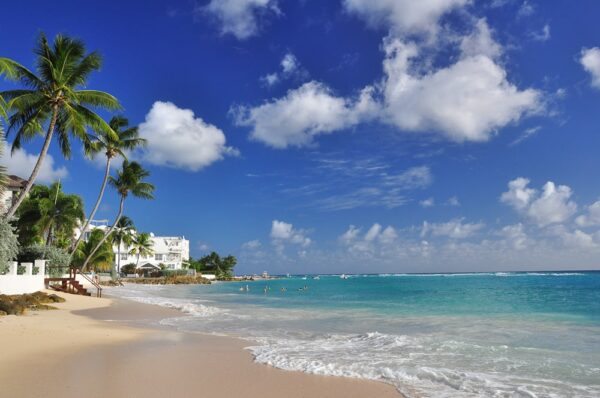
13	283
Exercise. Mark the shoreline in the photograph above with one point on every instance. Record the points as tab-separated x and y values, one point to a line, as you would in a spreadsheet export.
106	347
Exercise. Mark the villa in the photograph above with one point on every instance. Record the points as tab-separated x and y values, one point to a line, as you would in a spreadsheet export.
14	186
169	252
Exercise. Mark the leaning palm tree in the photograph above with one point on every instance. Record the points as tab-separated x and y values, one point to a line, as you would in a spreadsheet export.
142	246
129	180
123	234
121	139
54	97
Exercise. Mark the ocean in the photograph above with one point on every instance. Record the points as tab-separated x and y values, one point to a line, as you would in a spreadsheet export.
516	334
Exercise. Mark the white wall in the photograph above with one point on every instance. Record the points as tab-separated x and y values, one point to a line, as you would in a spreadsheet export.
12	283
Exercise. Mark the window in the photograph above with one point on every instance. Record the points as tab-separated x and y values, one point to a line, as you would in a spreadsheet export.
159	257
123	256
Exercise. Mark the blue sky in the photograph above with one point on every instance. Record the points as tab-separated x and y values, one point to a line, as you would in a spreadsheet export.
349	135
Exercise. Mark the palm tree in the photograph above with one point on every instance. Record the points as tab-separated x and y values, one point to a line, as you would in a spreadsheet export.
123	234
129	180
54	97
100	259
142	246
121	139
49	212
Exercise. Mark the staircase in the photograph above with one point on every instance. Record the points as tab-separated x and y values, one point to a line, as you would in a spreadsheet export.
72	285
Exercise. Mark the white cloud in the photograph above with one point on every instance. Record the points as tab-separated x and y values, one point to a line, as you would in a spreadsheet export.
176	138
453	201
429	202
454	229
480	42
466	101
543	35
21	164
590	59
526	9
528	133
375	237
252	244
282	232
289	63
290	68
552	206
515	235
518	195
576	239
403	16
241	18
592	218
303	113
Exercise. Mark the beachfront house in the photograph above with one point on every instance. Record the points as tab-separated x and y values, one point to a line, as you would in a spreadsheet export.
169	252
14	186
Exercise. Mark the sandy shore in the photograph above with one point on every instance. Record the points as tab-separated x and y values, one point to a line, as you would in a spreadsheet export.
92	347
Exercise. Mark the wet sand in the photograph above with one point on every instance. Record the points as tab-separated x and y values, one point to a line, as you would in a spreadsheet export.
104	348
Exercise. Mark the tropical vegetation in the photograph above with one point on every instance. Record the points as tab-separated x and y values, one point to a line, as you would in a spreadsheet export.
52	100
141	246
120	139
122	235
130	180
222	267
96	252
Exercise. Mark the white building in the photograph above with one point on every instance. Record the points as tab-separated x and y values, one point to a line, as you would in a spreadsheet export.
14	186
169	251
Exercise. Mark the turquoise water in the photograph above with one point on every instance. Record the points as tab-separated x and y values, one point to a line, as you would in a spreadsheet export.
498	334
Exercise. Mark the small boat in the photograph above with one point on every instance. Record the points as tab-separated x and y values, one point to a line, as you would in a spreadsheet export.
343	276
304	278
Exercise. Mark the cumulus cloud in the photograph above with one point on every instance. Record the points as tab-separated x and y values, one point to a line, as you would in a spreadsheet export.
466	101
179	139
240	18
373	238
591	217
21	164
454	229
515	235
551	206
403	16
480	42
283	233
590	60
301	114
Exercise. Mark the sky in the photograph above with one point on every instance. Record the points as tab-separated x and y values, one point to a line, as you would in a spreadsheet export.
357	136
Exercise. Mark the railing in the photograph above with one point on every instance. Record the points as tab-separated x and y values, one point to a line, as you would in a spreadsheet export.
75	271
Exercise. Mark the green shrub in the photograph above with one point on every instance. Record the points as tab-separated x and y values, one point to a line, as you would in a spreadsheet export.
57	260
9	247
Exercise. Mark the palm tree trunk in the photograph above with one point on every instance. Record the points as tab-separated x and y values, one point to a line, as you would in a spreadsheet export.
94	210
38	165
119	259
106	235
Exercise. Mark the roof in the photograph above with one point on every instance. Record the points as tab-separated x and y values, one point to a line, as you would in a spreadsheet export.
13	181
149	266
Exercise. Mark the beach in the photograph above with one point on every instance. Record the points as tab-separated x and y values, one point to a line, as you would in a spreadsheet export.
97	348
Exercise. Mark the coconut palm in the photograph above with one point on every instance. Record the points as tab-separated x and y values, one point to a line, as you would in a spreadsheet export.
142	246
129	180
53	97
123	234
48	213
100	259
122	138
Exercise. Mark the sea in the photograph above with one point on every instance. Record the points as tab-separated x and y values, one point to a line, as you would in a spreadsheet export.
504	334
